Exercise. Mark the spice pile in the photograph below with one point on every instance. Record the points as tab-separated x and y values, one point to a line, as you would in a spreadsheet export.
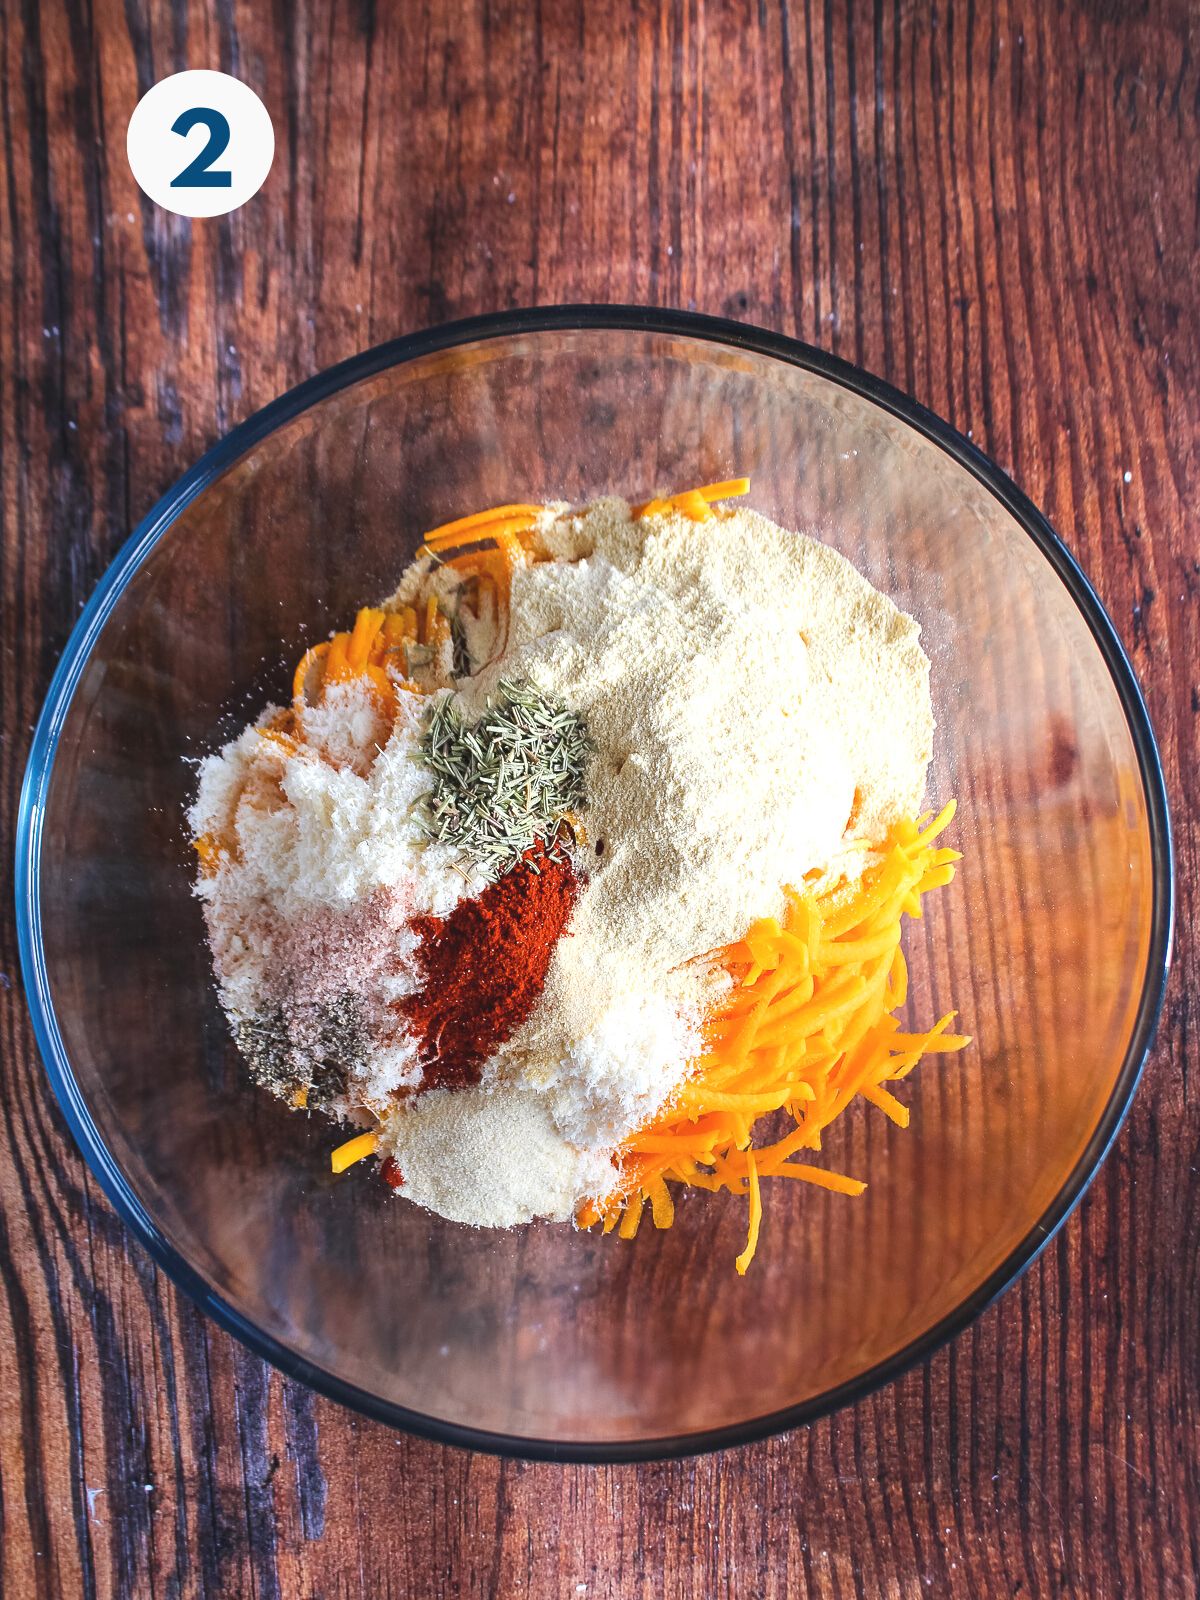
482	968
579	855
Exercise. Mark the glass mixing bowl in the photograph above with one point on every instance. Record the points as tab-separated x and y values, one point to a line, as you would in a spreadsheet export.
1052	943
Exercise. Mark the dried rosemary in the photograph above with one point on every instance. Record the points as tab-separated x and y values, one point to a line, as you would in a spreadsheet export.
504	782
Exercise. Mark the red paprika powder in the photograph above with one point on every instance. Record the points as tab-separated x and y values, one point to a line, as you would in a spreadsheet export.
484	966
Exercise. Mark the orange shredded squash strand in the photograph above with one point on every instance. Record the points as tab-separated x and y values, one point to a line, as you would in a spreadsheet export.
631	1216
662	1207
477	518
354	1150
820	1176
747	1255
383	686
300	678
334	667
365	652
367	626
209	852
478	563
393	632
695	503
808	1027
507	540
887	1103
491	529
727	489
277	736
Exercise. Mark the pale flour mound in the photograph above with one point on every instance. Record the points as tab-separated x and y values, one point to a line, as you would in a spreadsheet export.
491	1157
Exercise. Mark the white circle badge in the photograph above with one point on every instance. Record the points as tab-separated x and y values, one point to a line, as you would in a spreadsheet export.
200	143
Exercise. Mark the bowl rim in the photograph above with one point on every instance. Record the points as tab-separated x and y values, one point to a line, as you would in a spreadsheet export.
153	527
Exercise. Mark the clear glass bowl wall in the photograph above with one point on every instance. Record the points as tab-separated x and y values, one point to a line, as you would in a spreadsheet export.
546	1338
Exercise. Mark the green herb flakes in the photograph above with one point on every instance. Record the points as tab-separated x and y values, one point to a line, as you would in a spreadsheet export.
504	782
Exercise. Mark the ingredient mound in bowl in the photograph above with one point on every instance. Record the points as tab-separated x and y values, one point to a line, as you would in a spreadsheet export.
581	861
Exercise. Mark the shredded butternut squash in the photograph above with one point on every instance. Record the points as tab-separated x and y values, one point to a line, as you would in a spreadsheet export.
209	852
450	533
512	530
365	652
747	1255
695	503
810	1024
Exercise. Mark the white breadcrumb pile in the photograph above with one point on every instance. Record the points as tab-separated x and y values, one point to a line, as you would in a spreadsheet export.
756	714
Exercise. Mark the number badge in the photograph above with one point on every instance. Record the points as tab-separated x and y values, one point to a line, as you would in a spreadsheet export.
200	143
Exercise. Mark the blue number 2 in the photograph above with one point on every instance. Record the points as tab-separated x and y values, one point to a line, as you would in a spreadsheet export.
198	174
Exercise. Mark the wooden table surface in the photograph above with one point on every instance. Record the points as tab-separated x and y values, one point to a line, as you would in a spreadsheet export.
996	206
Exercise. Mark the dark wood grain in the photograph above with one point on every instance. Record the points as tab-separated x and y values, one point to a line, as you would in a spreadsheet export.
995	205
